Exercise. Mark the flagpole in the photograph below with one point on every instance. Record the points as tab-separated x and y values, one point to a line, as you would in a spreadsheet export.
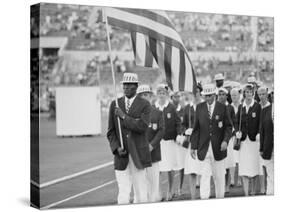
113	77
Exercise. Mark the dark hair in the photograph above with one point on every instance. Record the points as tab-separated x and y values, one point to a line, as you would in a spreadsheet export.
199	86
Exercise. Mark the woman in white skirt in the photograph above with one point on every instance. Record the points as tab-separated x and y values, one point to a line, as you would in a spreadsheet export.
236	101
247	127
191	165
229	161
180	150
168	145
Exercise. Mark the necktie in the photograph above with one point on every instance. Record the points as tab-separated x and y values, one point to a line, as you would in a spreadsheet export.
128	105
209	111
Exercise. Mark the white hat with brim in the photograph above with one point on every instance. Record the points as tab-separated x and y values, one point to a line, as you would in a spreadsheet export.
144	89
130	78
209	89
227	84
248	86
251	79
163	87
219	77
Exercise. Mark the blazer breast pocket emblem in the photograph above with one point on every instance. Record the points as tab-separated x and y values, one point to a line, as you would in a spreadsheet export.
154	126
168	115
220	124
254	115
217	117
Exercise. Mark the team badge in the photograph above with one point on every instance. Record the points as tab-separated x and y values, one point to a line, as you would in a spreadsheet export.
217	117
220	124
154	126
254	115
168	115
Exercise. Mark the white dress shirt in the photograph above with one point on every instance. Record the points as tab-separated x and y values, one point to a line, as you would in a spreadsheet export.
212	107
131	100
161	107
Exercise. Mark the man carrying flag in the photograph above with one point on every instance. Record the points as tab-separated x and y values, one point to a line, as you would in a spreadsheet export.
131	161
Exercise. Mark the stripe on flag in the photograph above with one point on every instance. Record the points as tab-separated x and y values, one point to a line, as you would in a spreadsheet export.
155	40
142	53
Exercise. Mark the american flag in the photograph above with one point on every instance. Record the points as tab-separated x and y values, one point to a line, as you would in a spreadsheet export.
156	42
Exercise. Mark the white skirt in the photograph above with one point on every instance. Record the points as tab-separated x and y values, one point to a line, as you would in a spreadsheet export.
249	158
232	155
191	166
169	161
262	164
181	153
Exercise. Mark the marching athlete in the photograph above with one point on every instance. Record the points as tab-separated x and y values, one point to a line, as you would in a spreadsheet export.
263	96
249	162
130	162
191	165
230	159
266	143
154	134
180	150
209	140
236	101
168	144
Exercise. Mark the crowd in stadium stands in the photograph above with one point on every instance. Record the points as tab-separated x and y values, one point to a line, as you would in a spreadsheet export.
200	32
265	34
213	32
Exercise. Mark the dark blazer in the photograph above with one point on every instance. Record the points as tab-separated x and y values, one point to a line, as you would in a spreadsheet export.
180	113
188	122
266	133
155	133
250	121
232	117
133	127
172	122
188	117
216	130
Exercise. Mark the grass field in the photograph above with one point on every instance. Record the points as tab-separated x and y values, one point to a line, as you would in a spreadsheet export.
78	171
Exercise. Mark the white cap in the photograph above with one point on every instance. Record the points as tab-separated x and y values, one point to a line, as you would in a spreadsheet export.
162	86
144	88
223	89
248	86
227	84
251	79
236	85
259	83
209	89
130	78
219	77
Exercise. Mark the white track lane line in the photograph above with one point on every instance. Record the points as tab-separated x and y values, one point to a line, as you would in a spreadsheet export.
86	192
71	176
78	195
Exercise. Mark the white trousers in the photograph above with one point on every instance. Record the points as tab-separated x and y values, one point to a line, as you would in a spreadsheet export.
210	167
269	166
153	182
129	177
